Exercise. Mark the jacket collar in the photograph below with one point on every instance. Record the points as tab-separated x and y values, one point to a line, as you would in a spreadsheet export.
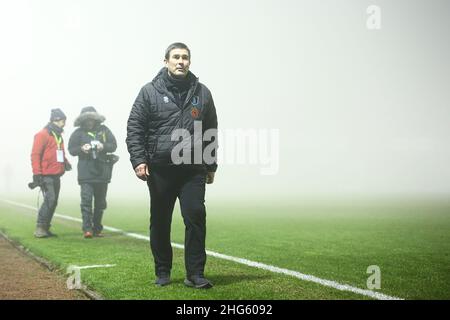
160	85
54	128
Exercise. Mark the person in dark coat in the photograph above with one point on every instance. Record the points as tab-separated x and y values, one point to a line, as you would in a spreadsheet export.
175	101
49	162
92	143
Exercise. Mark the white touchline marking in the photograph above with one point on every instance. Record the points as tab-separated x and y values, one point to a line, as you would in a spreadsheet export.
74	280
94	266
259	265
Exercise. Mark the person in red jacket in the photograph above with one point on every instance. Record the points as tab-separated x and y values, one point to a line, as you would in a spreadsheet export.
49	163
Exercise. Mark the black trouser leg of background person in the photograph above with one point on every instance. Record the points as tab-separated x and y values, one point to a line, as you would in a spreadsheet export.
100	190
92	216
51	189
165	185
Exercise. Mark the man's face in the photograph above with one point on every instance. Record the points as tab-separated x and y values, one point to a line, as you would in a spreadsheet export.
178	63
90	124
60	123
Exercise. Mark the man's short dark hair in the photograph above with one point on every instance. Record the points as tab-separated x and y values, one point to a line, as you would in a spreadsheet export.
176	45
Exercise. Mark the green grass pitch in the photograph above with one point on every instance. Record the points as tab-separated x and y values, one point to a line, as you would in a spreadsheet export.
410	242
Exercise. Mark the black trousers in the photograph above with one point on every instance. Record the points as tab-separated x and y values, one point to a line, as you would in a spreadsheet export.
92	216
51	187
166	184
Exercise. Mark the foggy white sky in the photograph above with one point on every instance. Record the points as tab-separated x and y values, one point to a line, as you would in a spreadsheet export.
359	111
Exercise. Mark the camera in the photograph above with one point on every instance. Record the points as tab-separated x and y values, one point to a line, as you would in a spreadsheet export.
33	185
94	148
37	182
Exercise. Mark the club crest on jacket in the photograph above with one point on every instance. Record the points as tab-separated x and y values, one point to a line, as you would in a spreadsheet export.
195	112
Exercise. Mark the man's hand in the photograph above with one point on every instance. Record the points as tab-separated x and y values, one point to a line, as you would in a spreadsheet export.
142	171
67	166
210	177
86	147
100	146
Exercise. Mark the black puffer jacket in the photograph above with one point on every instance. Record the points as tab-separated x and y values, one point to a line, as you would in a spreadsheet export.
93	170
155	115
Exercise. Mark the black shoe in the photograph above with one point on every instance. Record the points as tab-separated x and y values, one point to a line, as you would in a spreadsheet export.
51	234
198	282
162	280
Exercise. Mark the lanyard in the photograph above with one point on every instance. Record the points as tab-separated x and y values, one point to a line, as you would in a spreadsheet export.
58	140
94	135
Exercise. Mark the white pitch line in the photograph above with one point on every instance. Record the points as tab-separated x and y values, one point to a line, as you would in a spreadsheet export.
259	265
94	266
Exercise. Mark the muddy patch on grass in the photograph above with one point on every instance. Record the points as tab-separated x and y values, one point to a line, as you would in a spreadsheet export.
22	278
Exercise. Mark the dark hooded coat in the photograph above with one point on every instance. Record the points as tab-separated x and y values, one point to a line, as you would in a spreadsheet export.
92	168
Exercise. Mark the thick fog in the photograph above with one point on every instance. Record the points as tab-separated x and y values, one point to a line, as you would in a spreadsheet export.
338	99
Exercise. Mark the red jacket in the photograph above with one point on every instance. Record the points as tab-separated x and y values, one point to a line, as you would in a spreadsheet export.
43	155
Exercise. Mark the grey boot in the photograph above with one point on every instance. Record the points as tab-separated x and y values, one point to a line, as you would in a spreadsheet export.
40	232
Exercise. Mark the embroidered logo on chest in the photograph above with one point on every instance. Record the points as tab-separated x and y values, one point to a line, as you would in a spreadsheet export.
195	101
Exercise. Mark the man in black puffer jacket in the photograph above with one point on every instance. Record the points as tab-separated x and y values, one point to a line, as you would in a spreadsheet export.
91	143
175	101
